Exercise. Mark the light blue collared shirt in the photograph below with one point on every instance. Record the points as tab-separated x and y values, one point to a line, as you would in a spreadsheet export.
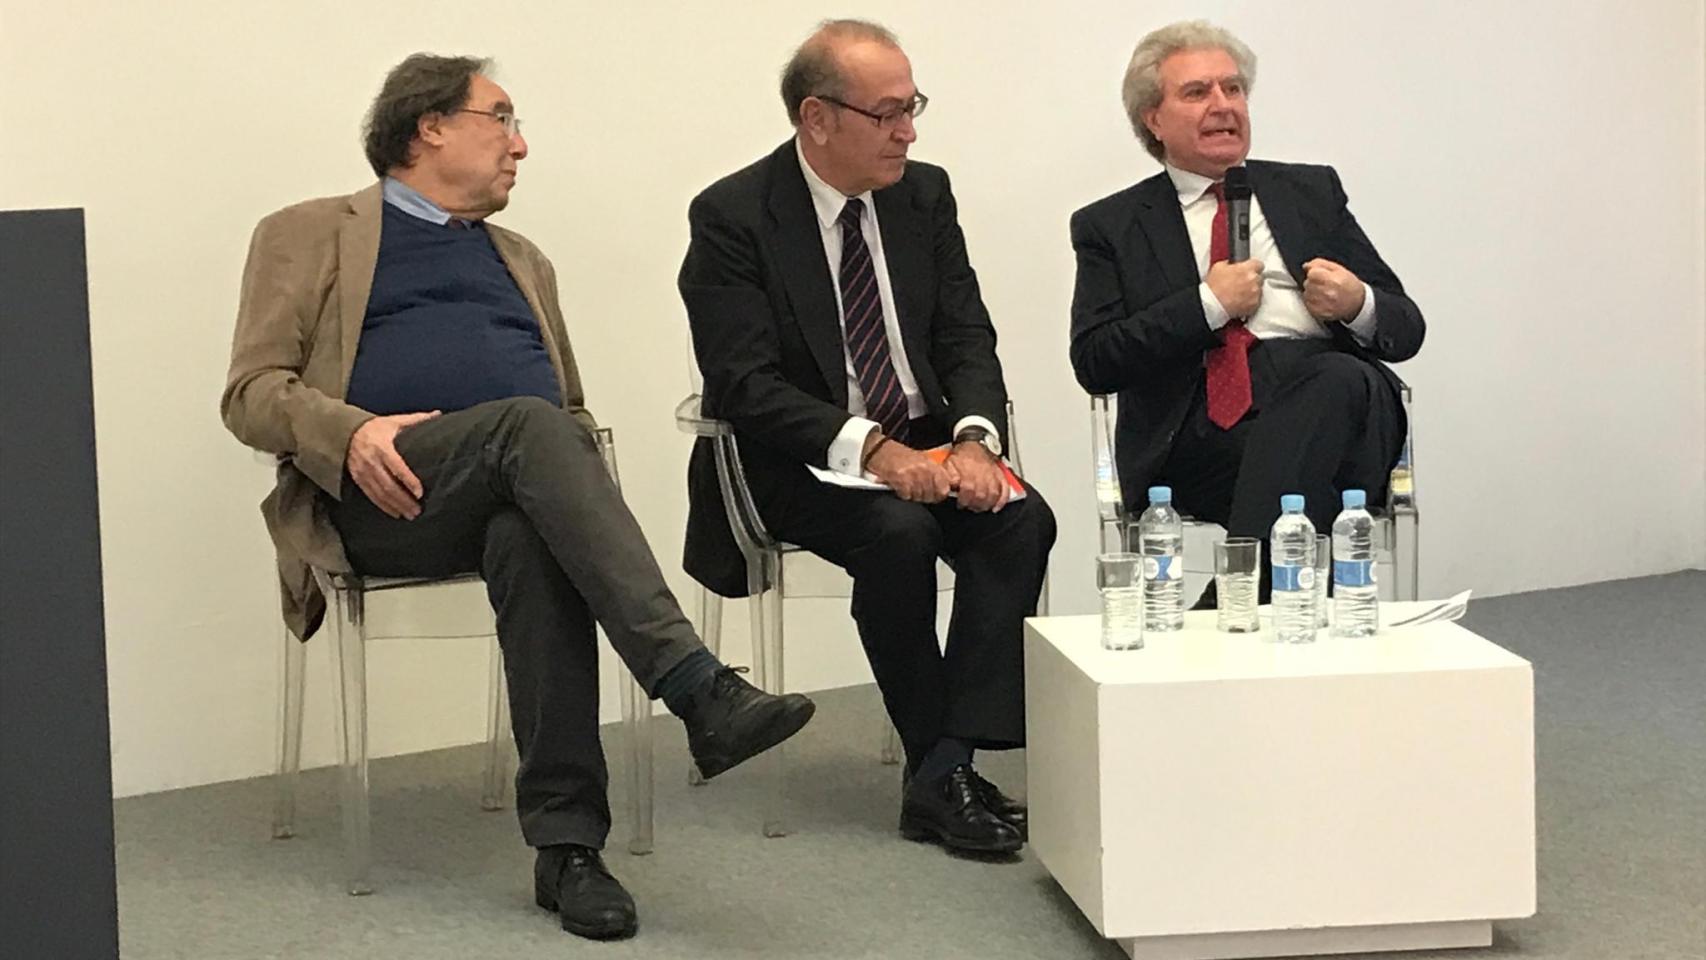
414	203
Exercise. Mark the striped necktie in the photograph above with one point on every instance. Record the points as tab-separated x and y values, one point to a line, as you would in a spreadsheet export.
862	323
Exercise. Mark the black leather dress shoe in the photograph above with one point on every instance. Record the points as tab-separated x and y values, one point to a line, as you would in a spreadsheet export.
950	811
732	721
571	881
1014	813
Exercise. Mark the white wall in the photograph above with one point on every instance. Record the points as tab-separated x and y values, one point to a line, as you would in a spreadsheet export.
1532	170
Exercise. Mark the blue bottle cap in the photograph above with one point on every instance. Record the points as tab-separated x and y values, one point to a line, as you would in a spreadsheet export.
1355	499
1160	494
1292	503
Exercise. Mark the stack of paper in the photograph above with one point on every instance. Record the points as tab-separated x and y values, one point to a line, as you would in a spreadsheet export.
1449	609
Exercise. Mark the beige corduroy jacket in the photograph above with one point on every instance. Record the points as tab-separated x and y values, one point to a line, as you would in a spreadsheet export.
299	317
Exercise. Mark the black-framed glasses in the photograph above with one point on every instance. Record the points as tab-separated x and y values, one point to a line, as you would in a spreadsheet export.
913	108
511	122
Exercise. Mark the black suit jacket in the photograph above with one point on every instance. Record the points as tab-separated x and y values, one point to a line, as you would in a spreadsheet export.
1138	327
767	334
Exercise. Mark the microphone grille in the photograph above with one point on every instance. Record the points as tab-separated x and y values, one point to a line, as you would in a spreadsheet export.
1237	183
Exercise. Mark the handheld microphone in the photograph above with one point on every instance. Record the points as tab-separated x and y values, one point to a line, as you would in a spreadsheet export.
1237	189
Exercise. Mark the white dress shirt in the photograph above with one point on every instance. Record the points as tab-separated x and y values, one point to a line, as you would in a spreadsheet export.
1281	312
849	445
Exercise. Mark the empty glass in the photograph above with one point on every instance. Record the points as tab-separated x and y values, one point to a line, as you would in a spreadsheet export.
1323	573
1237	571
1119	578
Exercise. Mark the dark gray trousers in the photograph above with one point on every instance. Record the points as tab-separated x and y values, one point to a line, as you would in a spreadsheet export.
1321	421
516	490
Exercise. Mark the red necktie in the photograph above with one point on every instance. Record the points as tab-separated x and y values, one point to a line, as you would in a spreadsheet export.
1229	363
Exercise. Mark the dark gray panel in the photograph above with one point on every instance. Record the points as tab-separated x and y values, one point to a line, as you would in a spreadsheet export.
57	892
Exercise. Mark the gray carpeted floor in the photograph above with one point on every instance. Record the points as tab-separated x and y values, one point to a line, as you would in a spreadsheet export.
1621	736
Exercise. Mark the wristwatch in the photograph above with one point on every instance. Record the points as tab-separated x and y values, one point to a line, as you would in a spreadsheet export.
980	435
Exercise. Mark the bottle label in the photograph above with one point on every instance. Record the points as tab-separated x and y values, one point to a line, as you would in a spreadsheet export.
1293	578
1163	568
1354	573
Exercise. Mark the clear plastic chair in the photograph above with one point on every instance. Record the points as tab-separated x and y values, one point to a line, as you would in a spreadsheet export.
765	563
1397	523
346	617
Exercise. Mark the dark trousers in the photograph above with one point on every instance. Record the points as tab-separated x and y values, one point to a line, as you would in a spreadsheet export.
974	689
1321	421
516	489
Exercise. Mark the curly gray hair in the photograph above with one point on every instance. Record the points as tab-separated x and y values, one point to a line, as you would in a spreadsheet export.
1142	89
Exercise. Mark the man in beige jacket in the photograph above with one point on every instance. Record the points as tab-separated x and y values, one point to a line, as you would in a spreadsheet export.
408	363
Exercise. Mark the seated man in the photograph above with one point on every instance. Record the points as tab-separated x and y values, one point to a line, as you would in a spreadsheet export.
1237	381
408	362
838	325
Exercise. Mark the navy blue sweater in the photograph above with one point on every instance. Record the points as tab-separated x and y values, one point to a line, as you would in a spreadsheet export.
446	326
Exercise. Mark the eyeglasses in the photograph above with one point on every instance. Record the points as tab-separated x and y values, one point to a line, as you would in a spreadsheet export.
913	108
511	122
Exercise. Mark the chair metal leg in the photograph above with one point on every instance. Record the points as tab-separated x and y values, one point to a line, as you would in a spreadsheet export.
637	723
891	744
711	620
711	634
496	786
290	737
767	654
349	650
1406	555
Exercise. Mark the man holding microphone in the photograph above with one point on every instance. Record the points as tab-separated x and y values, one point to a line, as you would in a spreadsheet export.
1247	363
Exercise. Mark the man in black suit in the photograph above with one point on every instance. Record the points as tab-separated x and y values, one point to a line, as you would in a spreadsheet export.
1240	381
838	324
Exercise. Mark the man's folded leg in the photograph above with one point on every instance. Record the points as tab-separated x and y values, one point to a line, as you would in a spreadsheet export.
1330	422
517	490
526	454
1324	421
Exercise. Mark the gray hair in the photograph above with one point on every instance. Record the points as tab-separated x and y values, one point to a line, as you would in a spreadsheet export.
814	71
1142	89
422	84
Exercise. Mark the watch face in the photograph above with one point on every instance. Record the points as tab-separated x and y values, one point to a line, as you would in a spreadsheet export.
980	436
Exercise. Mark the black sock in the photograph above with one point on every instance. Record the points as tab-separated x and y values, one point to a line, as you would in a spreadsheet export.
685	679
947	754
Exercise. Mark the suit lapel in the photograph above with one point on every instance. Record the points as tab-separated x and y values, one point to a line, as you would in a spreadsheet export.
1279	208
358	255
1163	221
797	244
906	252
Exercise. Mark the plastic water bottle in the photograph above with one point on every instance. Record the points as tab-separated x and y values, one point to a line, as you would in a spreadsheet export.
1292	544
1356	598
1161	541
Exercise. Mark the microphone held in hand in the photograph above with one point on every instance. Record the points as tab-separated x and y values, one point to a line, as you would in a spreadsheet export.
1237	187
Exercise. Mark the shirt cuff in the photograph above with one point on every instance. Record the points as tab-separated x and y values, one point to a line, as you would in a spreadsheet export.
848	447
1211	308
1362	325
984	422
